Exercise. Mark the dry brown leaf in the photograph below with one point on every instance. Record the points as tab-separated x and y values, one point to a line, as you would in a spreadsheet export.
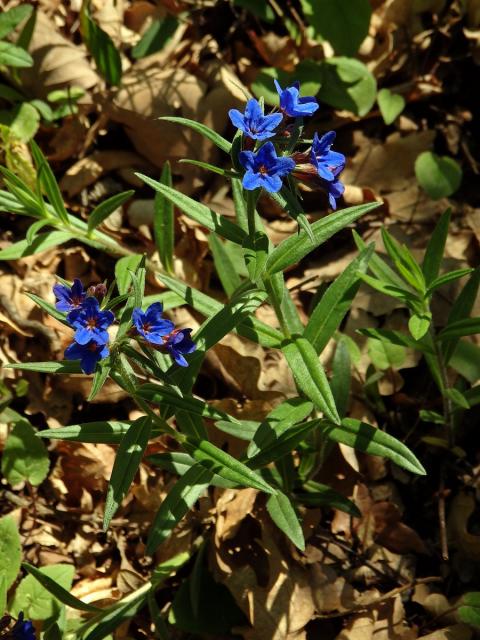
454	632
57	62
461	508
385	621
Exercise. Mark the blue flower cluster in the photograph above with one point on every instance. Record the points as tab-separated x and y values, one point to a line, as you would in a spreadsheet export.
319	166
91	323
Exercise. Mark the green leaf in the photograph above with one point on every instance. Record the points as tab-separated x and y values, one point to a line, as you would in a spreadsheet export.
123	267
225	465
466	327
435	248
171	397
198	212
296	247
469	611
3	590
34	600
41	243
466	361
23	121
379	267
344	25
156	36
25	457
180	499
282	441
10	551
283	417
364	437
448	277
431	416
320	494
439	176
180	462
341	379
405	263
223	265
49	308
418	324
127	461
244	429
310	376
391	105
205	131
335	302
396	338
65	366
107	207
34	228
256	250
457	397
49	183
107	432
390	290
282	512
118	614
102	48
461	309
13	56
385	355
163	222
348	84
12	18
100	377
57	590
250	328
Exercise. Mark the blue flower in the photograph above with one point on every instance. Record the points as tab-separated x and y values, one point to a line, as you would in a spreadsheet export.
334	188
90	322
88	354
324	160
69	298
23	629
292	104
150	323
253	123
179	343
264	168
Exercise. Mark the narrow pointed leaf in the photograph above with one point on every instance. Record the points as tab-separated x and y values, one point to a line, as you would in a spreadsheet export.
107	432
282	512
106	208
364	437
49	183
58	591
127	461
163	222
205	131
42	242
435	249
198	212
310	376
293	249
181	498
335	302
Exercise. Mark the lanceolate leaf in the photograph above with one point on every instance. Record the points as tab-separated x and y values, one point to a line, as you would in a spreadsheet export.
127	461
107	207
310	376
364	437
282	512
176	505
198	212
49	183
214	137
107	432
225	465
180	462
42	242
285	442
12	18
297	247
466	327
224	266
335	302
113	617
163	222
435	248
320	494
65	366
58	591
462	308
249	328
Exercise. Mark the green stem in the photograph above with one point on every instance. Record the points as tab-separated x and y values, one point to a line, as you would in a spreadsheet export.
252	197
